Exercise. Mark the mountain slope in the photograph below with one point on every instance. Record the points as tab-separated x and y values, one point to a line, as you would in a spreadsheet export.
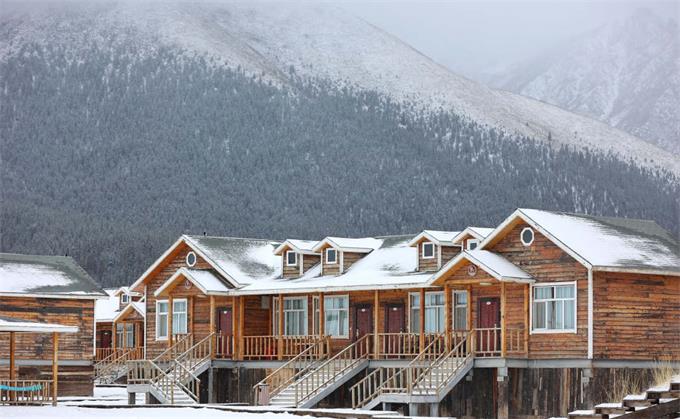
317	41
626	73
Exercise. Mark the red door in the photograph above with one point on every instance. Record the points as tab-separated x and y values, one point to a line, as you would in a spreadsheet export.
225	332
105	339
363	324
394	344
489	321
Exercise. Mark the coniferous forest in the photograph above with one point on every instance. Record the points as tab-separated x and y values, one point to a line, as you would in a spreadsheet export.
108	156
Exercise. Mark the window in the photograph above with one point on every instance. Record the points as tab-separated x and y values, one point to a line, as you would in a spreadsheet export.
295	316
428	250
161	320
331	256
191	259
527	236
120	334
129	335
291	258
434	312
554	308
316	315
336	313
460	305
472	244
179	317
124	298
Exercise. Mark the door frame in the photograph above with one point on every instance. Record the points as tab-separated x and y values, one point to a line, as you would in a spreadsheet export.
479	309
357	307
403	315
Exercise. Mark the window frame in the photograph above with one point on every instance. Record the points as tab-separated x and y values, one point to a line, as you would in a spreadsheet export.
288	253
167	321
305	315
455	306
186	315
327	309
129	335
467	244
422	251
335	259
521	236
189	264
316	315
411	307
533	331
124	298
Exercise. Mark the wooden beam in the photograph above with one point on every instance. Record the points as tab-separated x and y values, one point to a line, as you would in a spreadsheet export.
234	327
422	318
470	323
322	323
212	326
55	367
503	334
114	335
12	350
279	342
376	323
241	324
190	314
526	319
170	321
447	315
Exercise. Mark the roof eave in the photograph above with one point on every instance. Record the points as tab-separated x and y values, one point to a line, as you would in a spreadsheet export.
647	271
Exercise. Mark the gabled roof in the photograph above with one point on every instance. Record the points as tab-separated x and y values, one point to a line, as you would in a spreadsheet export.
603	243
106	309
137	306
441	238
300	246
11	324
46	276
345	244
239	261
204	280
492	263
391	265
478	233
128	291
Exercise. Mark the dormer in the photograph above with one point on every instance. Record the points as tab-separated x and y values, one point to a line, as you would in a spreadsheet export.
297	257
126	296
471	237
434	248
338	254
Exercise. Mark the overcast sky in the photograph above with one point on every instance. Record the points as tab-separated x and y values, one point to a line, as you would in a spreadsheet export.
471	35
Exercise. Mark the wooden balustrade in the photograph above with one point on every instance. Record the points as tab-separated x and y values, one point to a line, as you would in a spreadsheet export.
266	347
224	346
26	392
515	344
103	353
180	345
397	345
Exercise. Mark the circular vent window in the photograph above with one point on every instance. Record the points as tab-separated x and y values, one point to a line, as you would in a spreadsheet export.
191	258
527	236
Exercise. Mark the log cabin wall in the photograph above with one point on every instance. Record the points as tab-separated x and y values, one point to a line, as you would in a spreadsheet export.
349	259
449	252
290	271
636	316
427	264
330	268
309	261
546	262
259	316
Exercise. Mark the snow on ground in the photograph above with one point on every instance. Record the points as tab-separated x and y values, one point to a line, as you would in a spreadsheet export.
70	412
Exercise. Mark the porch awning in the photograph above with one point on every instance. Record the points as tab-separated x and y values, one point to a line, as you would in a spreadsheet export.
492	263
11	324
204	280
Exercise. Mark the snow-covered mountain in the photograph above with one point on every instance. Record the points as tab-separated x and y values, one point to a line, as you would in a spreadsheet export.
317	40
626	73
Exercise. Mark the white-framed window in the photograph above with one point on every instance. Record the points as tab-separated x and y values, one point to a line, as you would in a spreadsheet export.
191	259
472	244
124	298
291	258
434	312
120	335
336	315
553	308
527	236
161	319
129	335
428	250
179	317
316	315
295	316
331	256
460	310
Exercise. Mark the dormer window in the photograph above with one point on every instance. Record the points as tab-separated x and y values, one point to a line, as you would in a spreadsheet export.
428	250
291	258
124	298
472	244
331	256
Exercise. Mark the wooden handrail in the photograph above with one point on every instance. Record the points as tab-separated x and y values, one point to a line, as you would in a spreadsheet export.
267	346
398	345
181	344
116	360
26	392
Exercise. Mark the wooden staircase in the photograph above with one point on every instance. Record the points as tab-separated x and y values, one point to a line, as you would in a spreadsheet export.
657	402
428	378
114	366
312	382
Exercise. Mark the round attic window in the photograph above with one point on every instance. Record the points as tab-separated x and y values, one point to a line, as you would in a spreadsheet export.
191	259
527	236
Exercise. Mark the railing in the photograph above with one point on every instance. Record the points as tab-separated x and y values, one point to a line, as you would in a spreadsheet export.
103	353
515	343
186	380
371	386
197	354
291	371
434	377
487	342
398	345
180	345
26	392
116	361
267	347
224	346
144	371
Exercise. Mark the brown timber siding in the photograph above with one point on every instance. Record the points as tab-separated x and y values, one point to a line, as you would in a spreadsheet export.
349	259
449	252
290	271
309	261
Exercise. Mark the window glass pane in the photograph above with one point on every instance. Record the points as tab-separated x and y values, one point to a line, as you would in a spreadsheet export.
337	315
543	292
460	298
539	315
569	314
564	291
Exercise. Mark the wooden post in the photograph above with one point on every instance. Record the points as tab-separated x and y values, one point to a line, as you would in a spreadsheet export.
279	345
447	316
322	322
422	319
55	367
470	323
503	332
12	349
526	319
235	332
190	315
114	336
170	321
212	329
241	324
376	314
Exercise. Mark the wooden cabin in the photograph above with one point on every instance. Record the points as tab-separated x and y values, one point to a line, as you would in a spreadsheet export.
51	290
543	299
120	323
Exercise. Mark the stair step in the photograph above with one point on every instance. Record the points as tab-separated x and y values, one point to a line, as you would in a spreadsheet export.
637	401
610	408
586	414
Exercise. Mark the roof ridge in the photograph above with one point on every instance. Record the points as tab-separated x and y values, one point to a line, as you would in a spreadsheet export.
234	238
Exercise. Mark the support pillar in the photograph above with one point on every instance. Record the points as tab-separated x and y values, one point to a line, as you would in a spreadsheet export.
422	318
55	367
434	410
211	384
447	316
114	336
12	351
503	331
413	409
376	323
502	394
170	335
279	351
213	341
132	399
322	325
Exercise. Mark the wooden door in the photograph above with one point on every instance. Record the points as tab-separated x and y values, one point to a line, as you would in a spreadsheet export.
394	344
489	322
395	321
105	339
225	332
363	324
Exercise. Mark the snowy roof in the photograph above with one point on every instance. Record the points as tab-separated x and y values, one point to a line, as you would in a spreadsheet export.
128	291
605	242
106	309
11	324
392	264
492	263
442	238
479	233
138	306
205	280
48	276
346	244
300	246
